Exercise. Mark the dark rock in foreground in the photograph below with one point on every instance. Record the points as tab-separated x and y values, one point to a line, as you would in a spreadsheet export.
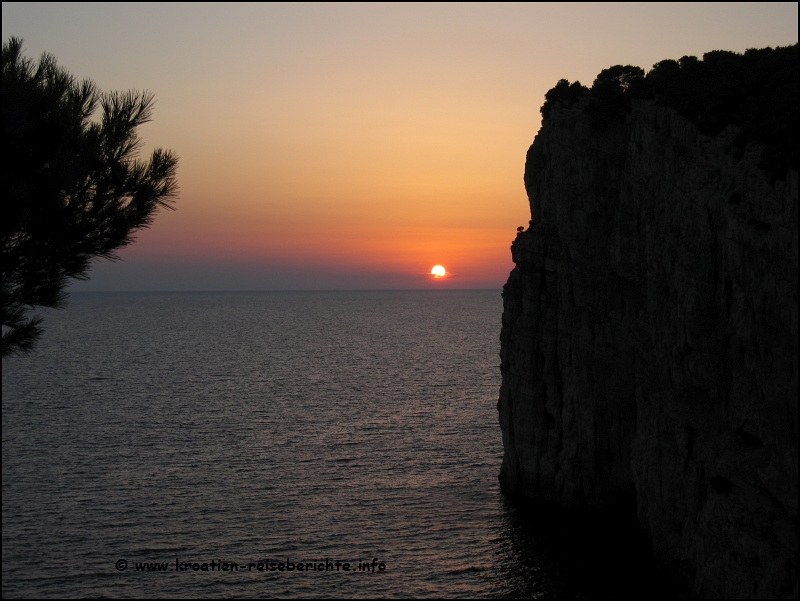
649	342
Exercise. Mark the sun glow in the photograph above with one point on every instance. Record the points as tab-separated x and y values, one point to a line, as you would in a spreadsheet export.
438	271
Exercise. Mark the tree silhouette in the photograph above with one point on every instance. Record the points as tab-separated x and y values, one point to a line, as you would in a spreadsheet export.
611	94
73	188
563	93
755	91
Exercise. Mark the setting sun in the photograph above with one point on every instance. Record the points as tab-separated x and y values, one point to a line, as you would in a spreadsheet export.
438	271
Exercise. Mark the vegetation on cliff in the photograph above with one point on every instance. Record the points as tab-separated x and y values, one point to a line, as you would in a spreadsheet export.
755	91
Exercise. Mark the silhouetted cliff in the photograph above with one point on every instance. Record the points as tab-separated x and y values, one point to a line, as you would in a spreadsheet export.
649	340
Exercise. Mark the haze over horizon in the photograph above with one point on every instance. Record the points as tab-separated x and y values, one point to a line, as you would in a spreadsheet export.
354	146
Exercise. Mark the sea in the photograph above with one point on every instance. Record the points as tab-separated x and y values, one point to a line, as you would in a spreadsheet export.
278	444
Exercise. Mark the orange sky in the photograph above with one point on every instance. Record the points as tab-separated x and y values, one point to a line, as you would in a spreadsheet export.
354	146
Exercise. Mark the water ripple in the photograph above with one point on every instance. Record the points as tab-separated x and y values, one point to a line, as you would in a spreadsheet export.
252	426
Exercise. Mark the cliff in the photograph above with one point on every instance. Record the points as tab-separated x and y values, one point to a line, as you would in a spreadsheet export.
649	340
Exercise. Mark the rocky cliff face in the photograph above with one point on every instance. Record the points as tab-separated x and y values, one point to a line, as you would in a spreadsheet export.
649	343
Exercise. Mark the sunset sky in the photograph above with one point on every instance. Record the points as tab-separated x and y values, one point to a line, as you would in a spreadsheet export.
354	146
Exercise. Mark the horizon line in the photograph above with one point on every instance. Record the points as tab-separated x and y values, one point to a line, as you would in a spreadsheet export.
285	290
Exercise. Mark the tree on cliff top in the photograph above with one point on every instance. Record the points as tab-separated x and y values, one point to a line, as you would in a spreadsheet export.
73	189
755	91
563	93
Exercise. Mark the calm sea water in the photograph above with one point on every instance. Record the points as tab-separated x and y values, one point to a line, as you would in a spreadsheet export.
248	428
